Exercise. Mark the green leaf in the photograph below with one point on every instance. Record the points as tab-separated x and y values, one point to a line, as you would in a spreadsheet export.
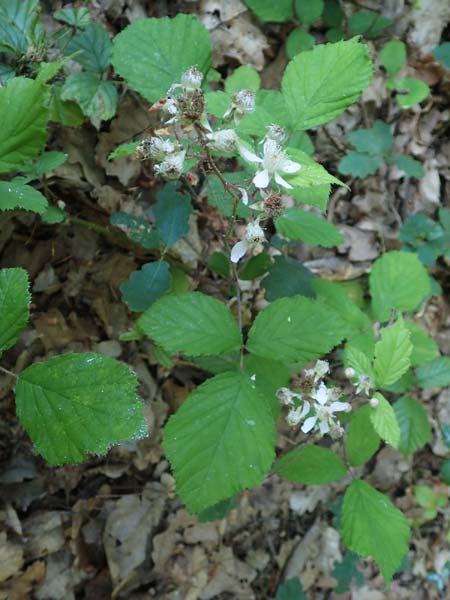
152	54
242	78
97	98
298	224
269	376
67	113
411	91
53	215
23	122
291	589
332	13
434	374
75	17
392	353
362	441
445	471
255	267
393	56
415	430
217	511
376	140
312	465
397	280
19	26
442	53
172	211
370	23
6	73
358	164
424	347
309	11
295	329
287	277
346	571
138	229
311	173
219	263
373	526
45	163
266	10
385	422
14	194
192	323
359	361
78	404
14	305
412	167
48	70
93	48
145	286
320	84
126	149
298	41
316	195
220	441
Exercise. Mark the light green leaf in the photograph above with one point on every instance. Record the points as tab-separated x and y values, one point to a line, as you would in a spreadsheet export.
397	280
126	149
392	353
172	211
415	430
308	11
93	48
45	163
268	375
96	97
385	422
359	164
242	78
152	54
67	113
14	305
411	91
14	195
393	56
362	441
320	84
78	404
298	41
295	329
145	286
192	323
23	122
312	465
359	361
434	374
373	526
424	347
267	10
311	173
316	195
298	224
220	441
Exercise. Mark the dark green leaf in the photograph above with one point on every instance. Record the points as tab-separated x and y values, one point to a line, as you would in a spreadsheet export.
255	267
14	195
172	211
358	164
442	53
434	374
312	465
75	17
219	263
309	11
218	511
415	430
97	98
267	10
346	571
370	23
138	229
362	440
377	140
14	305
287	277
93	48
291	589
412	167
145	286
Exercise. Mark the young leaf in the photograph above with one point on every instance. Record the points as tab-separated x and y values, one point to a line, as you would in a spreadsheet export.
78	404
145	286
385	422
346	571
75	17
295	329
93	48
287	277
15	194
291	589
312	465
192	323
415	430
267	10
138	229
152	54
412	167
242	78
297	224
14	305
392	354
370	23
373	526
425	348
442	53
172	211
359	361
298	41
376	140
320	84
96	97
397	280
359	164
393	56
45	163
412	91
220	441
308	11
434	374
362	441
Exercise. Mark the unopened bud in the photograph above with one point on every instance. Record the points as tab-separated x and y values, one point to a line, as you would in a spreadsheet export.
254	233
224	140
374	402
192	79
244	101
276	133
350	372
172	166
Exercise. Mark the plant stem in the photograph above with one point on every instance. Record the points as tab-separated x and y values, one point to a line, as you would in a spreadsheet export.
10	373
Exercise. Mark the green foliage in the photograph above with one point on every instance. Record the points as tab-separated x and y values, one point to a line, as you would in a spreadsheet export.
96	97
367	22
172	211
442	53
415	430
145	286
220	441
141	57
192	323
297	224
372	526
291	589
267	10
75	17
362	440
242	78
219	263
410	91
308	11
19	26
359	164
287	277
14	305
312	465
346	571
409	165
91	48
298	41
311	174
445	471
434	374
424	347
393	56
429	239
256	266
430	500
15	194
392	354
385	422
78	404
138	229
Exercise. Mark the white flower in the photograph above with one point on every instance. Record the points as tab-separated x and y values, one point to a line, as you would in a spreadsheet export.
224	140
276	133
286	396
243	102
172	166
324	416
244	195
192	79
363	385
156	148
254	235
273	162
295	415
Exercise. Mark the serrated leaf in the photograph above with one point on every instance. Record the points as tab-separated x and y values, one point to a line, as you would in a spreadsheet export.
138	229
217	511
97	98
145	286
312	465
66	112
412	167
14	305
172	211
298	224
152	54
359	361
20	26
385	422
192	323
316	195
78	404
392	353
75	17
320	84
362	441
269	376
14	195
393	56
287	277
346	571
256	266
415	430
373	526
220	441
424	347
397	280
266	10
359	164
311	173
434	374
45	163
23	122
92	48
295	329
242	78
376	140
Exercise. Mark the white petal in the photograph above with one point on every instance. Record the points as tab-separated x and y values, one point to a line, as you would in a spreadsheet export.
338	406
238	251
321	396
244	196
309	424
289	166
249	155
305	409
282	181
324	427
261	179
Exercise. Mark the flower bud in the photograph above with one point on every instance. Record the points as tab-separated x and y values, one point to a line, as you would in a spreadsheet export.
349	372
172	166
374	402
293	417
254	233
192	79
244	101
276	133
224	140
284	395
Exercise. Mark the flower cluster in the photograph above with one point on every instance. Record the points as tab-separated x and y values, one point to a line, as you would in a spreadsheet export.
363	383
319	410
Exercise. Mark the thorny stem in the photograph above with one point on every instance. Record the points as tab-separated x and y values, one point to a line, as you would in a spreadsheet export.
10	373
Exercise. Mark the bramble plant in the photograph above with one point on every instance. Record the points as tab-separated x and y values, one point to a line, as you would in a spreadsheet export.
249	148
